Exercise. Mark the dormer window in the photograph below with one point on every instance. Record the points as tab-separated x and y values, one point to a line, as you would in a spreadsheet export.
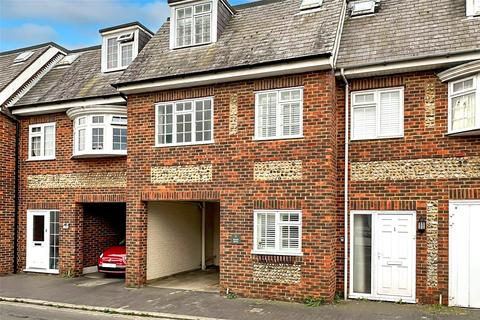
121	44
193	25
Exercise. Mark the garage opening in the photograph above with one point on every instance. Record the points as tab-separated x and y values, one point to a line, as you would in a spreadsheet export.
103	228
183	245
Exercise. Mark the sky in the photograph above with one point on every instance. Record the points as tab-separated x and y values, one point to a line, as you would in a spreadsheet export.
73	24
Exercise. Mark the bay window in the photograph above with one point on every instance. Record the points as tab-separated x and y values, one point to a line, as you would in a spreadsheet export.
41	141
464	105
100	135
184	122
277	232
279	114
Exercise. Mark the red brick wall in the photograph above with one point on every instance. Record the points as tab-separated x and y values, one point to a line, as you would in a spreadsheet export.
418	142
233	157
67	200
103	227
7	192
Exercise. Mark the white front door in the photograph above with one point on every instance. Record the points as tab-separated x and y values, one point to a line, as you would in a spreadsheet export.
383	255
37	239
395	244
464	254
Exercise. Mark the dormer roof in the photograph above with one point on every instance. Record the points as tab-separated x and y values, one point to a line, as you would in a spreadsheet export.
259	33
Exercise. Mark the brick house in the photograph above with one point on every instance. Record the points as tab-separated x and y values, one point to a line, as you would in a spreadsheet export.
237	150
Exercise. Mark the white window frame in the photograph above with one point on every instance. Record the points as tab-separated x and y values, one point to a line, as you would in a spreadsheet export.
473	8
108	125
279	122
41	134
451	95
376	93
115	35
278	225
213	23
174	123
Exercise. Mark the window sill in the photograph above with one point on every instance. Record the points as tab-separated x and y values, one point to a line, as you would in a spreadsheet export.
377	138
279	138
468	132
276	253
41	159
98	155
183	144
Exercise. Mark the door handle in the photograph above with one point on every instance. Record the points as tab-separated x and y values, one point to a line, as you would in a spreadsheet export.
394	263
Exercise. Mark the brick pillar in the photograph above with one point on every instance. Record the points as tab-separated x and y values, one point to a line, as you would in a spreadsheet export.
136	243
71	240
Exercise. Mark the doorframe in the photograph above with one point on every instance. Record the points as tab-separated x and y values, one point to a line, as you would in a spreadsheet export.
30	212
373	295
451	203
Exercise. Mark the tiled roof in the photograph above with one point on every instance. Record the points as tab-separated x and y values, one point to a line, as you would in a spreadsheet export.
406	29
266	31
9	71
82	79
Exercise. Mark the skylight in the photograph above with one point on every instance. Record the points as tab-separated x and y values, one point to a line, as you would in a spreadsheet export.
67	60
310	4
362	7
23	56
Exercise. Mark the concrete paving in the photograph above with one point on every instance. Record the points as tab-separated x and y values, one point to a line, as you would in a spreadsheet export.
209	305
199	280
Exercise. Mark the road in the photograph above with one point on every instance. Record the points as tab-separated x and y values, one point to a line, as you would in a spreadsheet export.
18	311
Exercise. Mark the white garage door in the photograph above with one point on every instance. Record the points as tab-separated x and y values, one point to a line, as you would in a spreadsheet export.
464	254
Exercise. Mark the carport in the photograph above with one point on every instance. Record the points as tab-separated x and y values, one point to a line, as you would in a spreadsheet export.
103	227
183	245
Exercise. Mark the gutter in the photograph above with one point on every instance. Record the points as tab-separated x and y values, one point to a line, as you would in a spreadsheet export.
345	188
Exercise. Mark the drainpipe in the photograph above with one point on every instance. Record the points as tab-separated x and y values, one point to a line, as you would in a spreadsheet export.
16	197
345	188
203	236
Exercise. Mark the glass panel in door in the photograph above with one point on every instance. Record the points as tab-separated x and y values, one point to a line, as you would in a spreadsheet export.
362	253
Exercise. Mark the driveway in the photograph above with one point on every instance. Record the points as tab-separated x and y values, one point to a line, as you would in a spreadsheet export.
112	294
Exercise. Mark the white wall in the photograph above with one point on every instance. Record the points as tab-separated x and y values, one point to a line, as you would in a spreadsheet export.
174	238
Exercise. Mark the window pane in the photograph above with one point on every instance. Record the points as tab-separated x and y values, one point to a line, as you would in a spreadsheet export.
390	113
112	53
364	123
291	119
202	29
81	139
38	228
184	27
81	121
364	98
463	85
97	119
127	52
362	253
49	139
203	121
165	124
35	146
463	112
267	118
119	138
266	231
97	139
36	129
54	240
290	238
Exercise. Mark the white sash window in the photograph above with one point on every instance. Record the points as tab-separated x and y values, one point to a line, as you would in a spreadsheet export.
41	141
464	110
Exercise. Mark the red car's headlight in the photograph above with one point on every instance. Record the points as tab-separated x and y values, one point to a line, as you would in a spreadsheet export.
101	256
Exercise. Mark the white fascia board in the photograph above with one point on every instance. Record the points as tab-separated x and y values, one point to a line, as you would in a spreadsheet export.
27	74
463	70
124	29
408	66
228	76
60	107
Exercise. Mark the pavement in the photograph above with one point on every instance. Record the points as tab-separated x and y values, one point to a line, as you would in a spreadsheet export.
110	295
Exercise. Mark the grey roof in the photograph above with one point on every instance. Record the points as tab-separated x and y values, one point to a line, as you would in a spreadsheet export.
82	79
406	29
9	71
262	32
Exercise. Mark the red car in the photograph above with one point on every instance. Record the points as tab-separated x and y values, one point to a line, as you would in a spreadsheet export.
113	260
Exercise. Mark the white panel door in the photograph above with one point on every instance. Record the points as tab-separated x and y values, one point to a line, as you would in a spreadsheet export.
37	240
464	256
395	243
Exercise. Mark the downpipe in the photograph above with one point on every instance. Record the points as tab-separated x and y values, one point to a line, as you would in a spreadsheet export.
345	189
